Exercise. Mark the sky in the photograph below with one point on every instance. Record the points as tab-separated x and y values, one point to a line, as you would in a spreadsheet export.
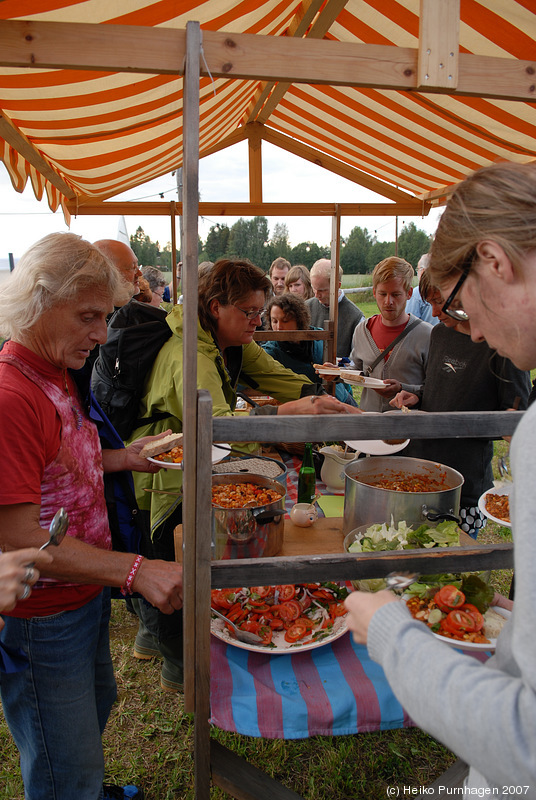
222	177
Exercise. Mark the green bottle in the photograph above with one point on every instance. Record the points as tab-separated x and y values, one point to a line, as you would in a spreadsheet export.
307	477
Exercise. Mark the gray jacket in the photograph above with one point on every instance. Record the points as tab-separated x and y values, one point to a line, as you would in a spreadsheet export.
406	363
485	713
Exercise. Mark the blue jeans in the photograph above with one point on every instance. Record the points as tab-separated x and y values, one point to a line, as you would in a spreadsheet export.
57	709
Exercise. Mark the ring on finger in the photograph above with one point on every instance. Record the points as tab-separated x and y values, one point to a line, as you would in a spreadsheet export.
29	575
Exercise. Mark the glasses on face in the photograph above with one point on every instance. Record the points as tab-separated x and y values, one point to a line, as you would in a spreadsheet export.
458	313
252	313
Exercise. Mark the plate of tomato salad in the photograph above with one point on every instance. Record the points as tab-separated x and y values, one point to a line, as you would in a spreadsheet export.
288	617
461	624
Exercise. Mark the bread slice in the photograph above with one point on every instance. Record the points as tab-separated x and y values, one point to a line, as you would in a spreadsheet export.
352	375
152	449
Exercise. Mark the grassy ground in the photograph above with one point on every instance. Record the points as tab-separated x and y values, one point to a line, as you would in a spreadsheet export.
148	740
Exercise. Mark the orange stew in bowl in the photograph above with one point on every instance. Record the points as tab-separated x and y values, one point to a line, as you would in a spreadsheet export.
237	495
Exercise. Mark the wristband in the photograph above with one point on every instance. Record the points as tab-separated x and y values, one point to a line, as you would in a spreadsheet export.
127	588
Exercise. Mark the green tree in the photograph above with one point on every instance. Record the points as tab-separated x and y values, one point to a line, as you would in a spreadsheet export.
146	251
354	252
412	243
250	239
377	252
217	241
279	243
307	253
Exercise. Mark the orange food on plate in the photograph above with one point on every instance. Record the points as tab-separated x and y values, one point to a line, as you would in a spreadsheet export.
498	505
173	456
237	495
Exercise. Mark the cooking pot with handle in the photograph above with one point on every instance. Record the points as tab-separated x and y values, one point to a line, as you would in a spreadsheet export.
365	504
251	532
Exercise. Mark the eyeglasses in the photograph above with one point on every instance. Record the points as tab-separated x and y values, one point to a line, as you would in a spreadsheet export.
458	313
254	312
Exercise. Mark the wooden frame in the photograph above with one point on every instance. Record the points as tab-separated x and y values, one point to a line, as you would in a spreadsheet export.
283	59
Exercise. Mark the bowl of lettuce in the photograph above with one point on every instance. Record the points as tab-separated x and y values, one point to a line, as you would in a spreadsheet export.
384	536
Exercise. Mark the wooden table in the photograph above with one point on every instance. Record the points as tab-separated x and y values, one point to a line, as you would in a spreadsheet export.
324	536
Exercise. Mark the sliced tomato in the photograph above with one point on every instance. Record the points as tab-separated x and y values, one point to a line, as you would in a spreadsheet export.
288	611
266	633
449	597
469	608
459	622
223	598
277	624
338	609
286	592
262	591
249	625
296	631
323	594
258	605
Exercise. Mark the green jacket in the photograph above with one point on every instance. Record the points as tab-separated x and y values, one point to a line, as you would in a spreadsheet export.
163	392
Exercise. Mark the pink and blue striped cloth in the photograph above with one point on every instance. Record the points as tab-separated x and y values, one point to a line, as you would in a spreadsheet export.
332	690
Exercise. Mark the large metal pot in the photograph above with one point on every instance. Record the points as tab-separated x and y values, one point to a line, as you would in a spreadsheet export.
248	532
365	504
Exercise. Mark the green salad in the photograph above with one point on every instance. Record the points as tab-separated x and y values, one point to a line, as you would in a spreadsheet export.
402	537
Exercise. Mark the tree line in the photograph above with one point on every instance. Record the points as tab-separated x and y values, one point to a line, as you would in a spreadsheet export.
251	238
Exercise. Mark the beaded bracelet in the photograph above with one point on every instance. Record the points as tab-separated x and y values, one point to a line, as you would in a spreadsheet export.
127	588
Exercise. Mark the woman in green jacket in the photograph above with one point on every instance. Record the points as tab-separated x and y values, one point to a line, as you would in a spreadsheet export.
232	297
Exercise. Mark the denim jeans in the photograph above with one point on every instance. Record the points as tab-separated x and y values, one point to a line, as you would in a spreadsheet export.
57	709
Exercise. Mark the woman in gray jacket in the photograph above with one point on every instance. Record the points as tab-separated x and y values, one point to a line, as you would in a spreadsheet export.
484	260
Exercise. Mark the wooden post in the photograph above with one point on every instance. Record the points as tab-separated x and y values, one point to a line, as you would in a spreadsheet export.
334	282
172	212
189	422
255	164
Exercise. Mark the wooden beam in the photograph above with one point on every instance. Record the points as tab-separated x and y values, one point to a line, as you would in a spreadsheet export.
390	425
157	209
123	48
242	780
321	26
255	165
239	135
297	28
291	336
25	148
439	44
346	566
334	165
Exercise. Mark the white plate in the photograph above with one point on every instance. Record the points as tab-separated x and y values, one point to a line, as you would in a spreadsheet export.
365	382
498	488
218	629
360	380
376	447
218	454
474	647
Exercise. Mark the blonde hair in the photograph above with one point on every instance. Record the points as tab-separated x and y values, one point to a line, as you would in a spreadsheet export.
322	268
53	271
497	202
296	273
393	267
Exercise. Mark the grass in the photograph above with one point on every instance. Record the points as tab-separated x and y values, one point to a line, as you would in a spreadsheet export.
148	740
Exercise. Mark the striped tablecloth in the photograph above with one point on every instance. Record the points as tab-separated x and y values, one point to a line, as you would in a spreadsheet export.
333	690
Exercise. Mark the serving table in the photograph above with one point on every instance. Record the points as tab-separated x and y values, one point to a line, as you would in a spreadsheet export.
333	689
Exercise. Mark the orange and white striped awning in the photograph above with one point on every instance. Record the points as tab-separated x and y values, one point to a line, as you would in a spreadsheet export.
93	133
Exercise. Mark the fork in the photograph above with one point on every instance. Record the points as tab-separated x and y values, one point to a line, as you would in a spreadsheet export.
243	636
400	580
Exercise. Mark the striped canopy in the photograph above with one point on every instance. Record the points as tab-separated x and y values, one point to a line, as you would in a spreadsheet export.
90	134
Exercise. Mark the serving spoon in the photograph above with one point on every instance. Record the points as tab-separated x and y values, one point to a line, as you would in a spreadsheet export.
400	580
243	636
